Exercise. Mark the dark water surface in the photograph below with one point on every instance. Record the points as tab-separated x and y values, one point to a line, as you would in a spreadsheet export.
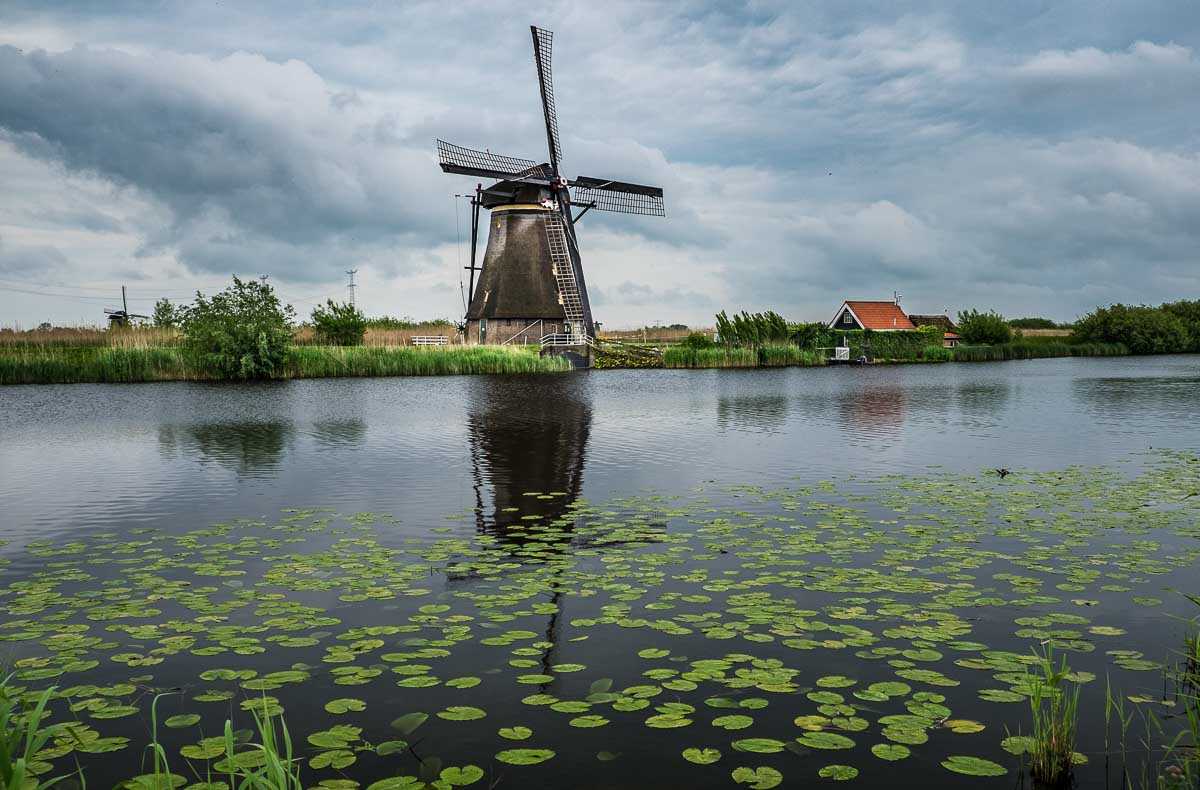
660	489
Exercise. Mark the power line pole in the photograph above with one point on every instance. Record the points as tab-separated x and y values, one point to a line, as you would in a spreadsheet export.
351	286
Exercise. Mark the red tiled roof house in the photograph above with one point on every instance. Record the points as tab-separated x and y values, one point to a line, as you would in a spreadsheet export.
877	316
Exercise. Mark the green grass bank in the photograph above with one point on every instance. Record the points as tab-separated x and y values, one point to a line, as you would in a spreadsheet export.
50	365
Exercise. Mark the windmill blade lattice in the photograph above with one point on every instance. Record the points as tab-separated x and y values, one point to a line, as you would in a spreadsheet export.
543	45
468	161
618	196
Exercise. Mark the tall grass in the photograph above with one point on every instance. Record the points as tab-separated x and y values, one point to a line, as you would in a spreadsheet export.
683	357
768	356
89	337
1039	350
1055	706
785	355
386	335
335	361
22	736
121	365
75	365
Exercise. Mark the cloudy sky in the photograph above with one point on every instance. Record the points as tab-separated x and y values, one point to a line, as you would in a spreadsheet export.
1032	157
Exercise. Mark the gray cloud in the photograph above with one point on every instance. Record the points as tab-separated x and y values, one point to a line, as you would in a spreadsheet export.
1018	156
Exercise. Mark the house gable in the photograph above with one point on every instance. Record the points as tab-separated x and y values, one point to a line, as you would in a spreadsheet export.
878	316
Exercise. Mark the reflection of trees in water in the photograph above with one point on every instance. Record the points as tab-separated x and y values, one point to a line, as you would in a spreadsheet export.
247	448
759	412
340	433
1141	395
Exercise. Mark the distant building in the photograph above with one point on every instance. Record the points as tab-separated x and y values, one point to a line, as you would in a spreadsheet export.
877	316
949	330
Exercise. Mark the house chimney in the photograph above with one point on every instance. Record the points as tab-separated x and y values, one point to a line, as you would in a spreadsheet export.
896	297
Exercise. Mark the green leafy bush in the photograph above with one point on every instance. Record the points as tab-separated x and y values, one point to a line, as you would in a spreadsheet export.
987	328
339	324
697	340
242	332
1145	330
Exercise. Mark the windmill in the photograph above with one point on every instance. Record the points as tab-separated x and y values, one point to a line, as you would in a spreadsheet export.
531	287
121	317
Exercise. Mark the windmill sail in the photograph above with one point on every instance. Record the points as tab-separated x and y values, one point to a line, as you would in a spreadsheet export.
618	196
470	162
543	45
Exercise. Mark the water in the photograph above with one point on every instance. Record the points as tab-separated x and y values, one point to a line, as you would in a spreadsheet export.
87	462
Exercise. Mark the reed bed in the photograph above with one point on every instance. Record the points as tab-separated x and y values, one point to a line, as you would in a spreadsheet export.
350	361
769	356
385	336
90	337
1009	351
788	356
127	365
683	357
1054	702
49	365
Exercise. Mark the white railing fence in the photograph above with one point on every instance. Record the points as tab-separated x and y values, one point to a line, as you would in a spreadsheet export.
430	340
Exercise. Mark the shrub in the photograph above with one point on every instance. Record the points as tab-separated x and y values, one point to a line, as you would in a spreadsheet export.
339	324
934	334
697	340
986	328
809	335
166	315
1145	330
242	332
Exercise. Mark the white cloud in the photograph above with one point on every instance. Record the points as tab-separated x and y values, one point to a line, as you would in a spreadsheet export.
807	154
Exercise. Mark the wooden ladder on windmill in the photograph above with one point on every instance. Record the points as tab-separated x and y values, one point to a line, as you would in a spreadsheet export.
568	287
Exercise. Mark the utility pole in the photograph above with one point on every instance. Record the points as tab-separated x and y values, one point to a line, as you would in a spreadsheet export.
351	286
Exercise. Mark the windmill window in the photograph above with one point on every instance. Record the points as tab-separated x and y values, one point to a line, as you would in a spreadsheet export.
482	327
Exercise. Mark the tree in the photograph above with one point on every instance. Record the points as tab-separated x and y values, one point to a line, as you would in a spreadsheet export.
1145	330
339	324
242	332
1187	311
1032	323
167	315
978	328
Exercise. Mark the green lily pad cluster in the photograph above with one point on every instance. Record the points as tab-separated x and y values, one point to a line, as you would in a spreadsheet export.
762	632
